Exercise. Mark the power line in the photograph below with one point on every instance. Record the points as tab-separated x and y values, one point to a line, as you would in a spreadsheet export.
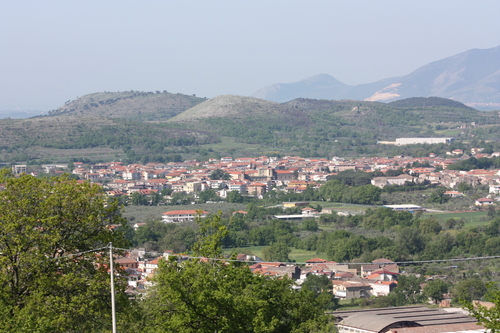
187	257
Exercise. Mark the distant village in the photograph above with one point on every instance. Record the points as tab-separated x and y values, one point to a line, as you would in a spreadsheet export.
254	176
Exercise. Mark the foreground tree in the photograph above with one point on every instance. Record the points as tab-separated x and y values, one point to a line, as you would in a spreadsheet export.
45	285
210	295
489	317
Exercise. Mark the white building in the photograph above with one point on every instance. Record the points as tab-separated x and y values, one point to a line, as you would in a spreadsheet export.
405	208
412	141
177	216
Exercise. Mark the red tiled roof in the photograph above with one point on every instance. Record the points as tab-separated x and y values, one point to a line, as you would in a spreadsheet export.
184	212
314	260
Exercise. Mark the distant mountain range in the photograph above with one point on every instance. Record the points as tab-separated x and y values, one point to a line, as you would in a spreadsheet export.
471	77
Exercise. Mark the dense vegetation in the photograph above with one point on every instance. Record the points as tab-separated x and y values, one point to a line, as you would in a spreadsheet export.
55	273
53	278
319	128
309	128
216	296
476	163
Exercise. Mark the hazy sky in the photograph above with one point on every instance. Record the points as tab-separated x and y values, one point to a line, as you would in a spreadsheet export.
54	51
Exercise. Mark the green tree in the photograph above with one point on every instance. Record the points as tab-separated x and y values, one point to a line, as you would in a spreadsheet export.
208	195
410	241
310	225
234	196
322	287
154	198
489	317
435	290
137	199
211	295
180	198
469	290
51	280
438	196
408	291
430	226
219	174
463	187
276	252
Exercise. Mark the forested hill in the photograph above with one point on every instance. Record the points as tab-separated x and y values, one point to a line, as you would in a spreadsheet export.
422	102
165	127
136	105
302	120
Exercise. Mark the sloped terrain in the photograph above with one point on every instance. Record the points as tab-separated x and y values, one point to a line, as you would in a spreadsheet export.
147	106
469	77
229	106
71	132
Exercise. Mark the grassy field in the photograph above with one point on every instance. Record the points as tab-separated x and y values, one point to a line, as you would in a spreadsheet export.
93	154
473	219
297	255
241	149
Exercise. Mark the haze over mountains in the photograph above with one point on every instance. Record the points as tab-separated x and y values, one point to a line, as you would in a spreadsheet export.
471	77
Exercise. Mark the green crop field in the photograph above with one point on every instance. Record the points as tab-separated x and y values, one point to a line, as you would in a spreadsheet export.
472	219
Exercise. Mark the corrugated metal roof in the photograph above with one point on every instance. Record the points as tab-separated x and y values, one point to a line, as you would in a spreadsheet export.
382	318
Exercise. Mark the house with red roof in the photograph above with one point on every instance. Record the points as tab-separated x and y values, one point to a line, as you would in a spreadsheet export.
314	261
177	216
484	202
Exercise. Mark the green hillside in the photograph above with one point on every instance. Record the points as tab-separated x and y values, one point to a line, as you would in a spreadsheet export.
163	127
418	102
136	105
319	128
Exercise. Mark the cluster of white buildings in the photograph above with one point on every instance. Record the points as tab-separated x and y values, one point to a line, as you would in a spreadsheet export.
257	175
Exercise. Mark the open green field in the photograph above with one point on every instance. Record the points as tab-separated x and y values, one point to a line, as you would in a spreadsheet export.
93	154
240	149
473	219
297	255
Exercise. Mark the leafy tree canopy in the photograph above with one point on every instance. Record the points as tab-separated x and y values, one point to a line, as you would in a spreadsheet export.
215	296
219	174
48	282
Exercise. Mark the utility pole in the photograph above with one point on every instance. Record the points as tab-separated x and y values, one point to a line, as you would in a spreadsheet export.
112	272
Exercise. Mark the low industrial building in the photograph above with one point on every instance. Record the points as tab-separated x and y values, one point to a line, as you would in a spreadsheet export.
405	208
408	319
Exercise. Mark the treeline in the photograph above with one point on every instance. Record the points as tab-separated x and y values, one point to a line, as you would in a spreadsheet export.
476	163
346	129
405	236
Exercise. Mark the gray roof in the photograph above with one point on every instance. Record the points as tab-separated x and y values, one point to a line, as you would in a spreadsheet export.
378	319
371	322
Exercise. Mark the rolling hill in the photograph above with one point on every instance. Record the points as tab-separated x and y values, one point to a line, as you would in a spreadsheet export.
146	106
228	106
137	127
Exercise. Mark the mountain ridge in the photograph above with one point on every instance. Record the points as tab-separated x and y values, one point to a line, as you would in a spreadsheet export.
472	76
